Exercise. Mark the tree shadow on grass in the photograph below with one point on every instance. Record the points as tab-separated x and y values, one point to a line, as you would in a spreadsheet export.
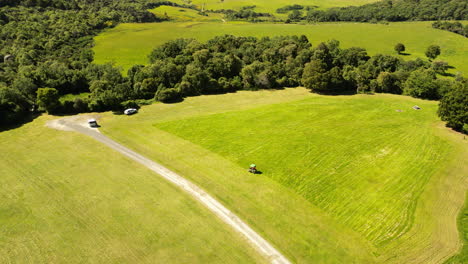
27	119
404	54
336	93
447	74
175	100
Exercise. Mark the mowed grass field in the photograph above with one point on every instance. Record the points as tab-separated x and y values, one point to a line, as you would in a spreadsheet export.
462	257
345	179
130	44
65	198
271	6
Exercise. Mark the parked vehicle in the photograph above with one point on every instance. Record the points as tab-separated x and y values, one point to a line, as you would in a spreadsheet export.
92	123
130	111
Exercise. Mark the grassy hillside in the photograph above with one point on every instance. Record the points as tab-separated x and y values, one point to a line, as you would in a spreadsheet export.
65	198
344	179
271	6
130	44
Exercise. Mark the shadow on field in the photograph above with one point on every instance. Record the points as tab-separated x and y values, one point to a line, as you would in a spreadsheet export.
336	93
446	74
27	119
173	101
405	54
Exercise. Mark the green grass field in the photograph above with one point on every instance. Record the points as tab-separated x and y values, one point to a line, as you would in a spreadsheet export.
65	198
345	179
271	6
184	14
462	257
130	44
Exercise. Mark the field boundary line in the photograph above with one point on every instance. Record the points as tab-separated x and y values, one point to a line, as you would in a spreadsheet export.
78	124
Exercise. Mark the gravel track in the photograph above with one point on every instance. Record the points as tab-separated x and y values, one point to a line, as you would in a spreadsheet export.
78	124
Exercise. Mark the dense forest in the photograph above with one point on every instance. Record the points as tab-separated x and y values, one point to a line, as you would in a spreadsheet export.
45	53
47	44
395	10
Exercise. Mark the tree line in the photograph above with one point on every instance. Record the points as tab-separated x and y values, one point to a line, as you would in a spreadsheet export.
455	27
395	10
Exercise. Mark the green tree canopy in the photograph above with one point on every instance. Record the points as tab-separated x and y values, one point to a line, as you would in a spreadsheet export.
421	84
47	99
432	52
315	76
453	107
399	47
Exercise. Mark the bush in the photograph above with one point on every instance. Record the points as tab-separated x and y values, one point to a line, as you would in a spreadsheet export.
80	105
130	104
48	99
170	95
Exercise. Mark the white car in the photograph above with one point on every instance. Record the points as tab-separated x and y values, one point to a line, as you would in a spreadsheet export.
130	111
92	123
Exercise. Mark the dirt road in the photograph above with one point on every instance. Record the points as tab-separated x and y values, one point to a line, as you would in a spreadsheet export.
78	124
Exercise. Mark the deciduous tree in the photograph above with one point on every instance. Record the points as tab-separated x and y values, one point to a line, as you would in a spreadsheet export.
399	47
432	52
47	99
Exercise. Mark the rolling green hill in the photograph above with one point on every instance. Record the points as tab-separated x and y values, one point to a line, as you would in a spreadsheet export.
130	44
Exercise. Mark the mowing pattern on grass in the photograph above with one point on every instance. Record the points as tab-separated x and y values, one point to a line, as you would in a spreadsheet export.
359	160
66	199
462	257
301	230
130	44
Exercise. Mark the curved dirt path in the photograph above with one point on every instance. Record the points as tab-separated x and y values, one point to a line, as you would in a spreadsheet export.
79	124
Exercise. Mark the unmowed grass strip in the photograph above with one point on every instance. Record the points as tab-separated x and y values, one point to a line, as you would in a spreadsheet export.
375	174
65	198
130	44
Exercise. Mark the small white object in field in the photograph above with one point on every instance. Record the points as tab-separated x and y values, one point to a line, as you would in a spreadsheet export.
130	111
